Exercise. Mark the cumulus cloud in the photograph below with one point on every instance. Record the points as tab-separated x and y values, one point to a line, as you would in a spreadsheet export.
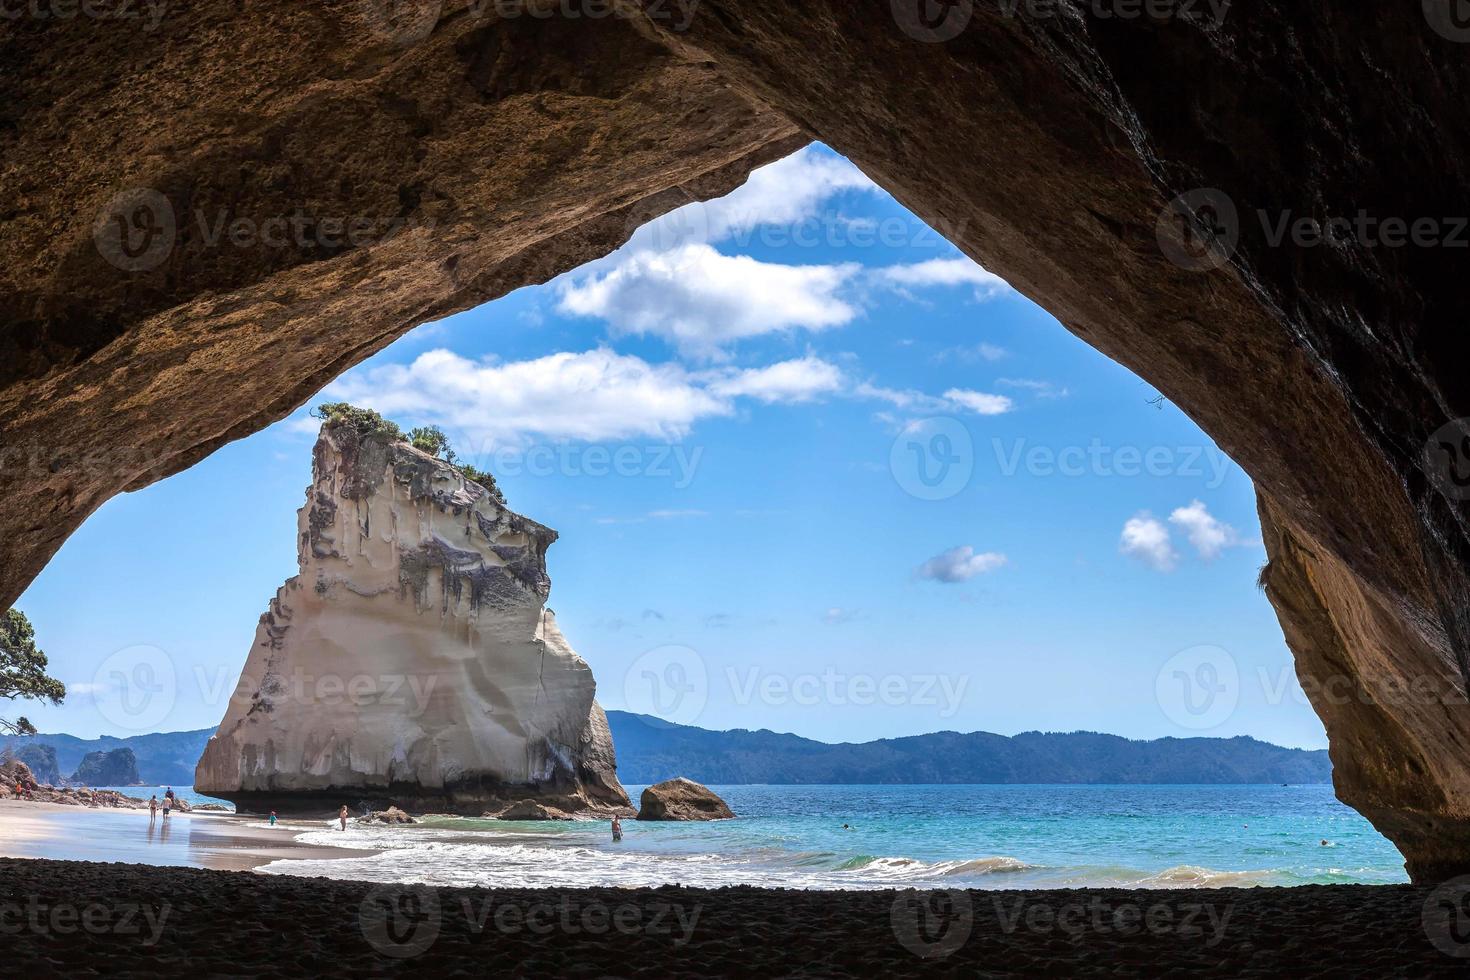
590	396
600	395
979	402
671	281
799	380
593	395
959	565
1147	539
702	301
1206	533
789	192
959	271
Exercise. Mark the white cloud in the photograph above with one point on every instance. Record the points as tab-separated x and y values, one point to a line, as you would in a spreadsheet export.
798	380
1042	389
959	565
973	353
702	301
1208	535
979	402
788	192
592	395
946	272
1147	539
954	401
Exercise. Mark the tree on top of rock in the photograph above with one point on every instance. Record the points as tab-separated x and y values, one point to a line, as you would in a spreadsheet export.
366	421
23	670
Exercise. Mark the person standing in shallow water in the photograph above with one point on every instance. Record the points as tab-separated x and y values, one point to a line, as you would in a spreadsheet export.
273	818
617	828
342	816
153	807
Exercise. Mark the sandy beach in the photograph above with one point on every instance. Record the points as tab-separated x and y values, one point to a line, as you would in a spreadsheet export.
217	841
139	901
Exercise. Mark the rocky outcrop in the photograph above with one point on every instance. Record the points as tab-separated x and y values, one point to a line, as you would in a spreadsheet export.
412	660
681	799
117	767
42	762
18	782
1140	177
530	810
392	815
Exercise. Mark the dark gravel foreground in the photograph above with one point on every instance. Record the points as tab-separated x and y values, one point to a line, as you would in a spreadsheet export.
69	918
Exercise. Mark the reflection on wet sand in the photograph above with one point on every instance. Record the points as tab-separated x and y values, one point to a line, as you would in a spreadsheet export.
220	841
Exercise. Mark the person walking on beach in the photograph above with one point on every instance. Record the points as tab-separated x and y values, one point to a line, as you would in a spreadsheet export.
617	828
153	807
168	803
273	818
342	816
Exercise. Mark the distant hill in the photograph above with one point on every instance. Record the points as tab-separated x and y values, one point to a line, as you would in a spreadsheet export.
650	750
165	758
118	767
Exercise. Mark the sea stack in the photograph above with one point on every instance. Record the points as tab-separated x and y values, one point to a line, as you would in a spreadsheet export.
412	661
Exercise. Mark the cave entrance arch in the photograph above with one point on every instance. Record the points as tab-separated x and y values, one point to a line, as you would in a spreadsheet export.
504	150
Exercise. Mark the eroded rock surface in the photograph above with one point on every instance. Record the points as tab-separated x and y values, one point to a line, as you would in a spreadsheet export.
682	799
412	660
1047	141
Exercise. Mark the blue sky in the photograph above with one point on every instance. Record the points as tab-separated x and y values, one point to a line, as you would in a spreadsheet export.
813	471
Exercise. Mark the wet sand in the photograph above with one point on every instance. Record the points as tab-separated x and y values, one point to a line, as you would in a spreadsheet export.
218	841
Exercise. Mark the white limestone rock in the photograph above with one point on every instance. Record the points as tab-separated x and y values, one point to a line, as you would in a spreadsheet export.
412	660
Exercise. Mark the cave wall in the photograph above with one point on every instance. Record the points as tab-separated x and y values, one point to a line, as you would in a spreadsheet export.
1049	142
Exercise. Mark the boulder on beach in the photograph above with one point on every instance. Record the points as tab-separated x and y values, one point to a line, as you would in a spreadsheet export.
13	771
682	799
530	810
391	815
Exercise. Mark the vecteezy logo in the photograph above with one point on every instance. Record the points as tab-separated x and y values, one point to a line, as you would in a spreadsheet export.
1447	459
933	458
400	921
135	687
1199	230
1198	688
669	682
403	22
932	924
933	21
136	231
1450	19
1446	917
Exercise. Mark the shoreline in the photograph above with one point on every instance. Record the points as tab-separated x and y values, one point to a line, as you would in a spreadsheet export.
129	919
208	840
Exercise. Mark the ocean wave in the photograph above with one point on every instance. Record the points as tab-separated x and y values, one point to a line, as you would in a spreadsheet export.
1191	876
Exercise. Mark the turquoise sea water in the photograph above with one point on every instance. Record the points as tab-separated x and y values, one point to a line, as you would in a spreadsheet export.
903	836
